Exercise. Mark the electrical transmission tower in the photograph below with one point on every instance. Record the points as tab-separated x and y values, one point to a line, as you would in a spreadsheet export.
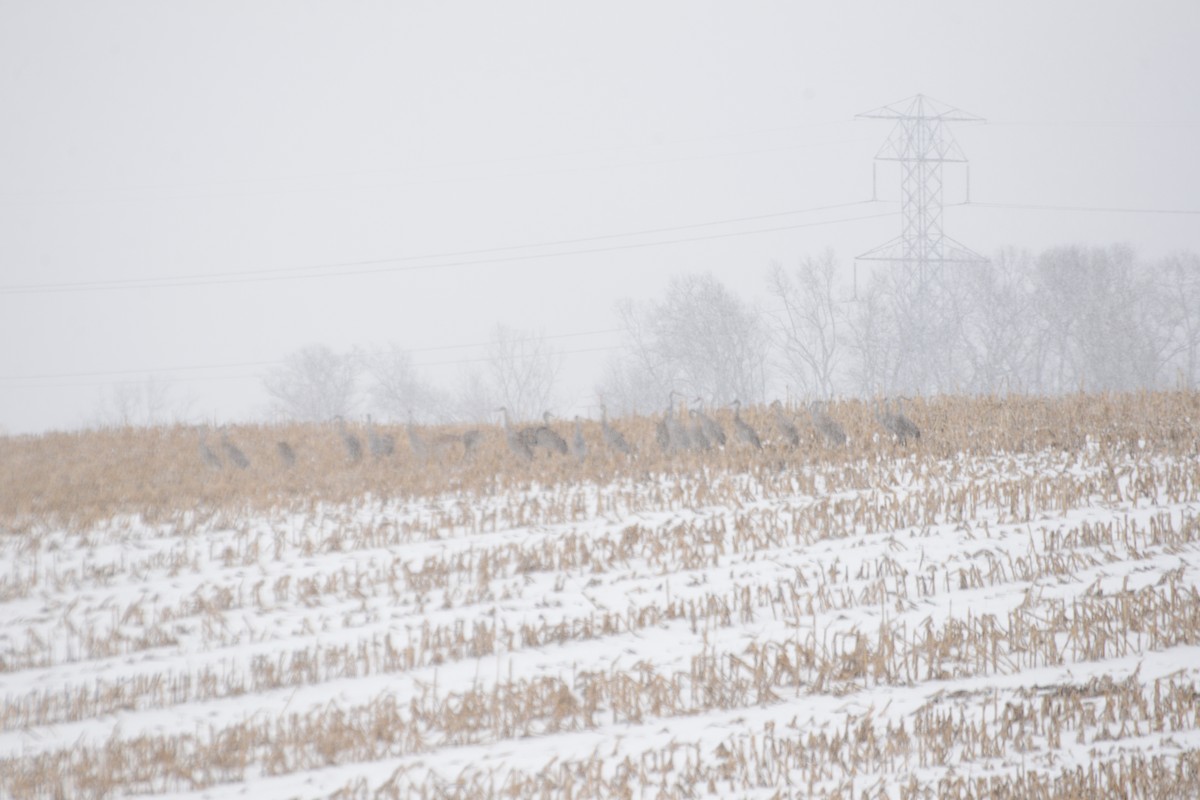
921	142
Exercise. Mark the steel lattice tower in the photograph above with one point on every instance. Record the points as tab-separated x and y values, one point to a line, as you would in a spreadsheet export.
921	142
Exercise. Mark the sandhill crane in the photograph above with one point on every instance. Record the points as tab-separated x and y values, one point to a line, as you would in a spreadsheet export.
578	443
677	432
285	452
696	435
905	424
787	430
826	425
516	441
416	441
380	444
896	423
712	429
662	435
742	429
613	439
353	445
545	437
470	440
233	452
206	453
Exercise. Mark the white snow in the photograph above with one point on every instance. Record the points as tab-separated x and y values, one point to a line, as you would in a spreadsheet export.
477	642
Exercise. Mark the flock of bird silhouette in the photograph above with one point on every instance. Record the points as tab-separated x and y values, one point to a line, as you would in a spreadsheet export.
674	434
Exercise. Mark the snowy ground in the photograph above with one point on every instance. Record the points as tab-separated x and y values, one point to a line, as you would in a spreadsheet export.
903	626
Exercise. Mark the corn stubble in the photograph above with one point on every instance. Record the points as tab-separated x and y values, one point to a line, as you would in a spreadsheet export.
1005	609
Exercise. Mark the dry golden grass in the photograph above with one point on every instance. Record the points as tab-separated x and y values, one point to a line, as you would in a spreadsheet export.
79	479
347	544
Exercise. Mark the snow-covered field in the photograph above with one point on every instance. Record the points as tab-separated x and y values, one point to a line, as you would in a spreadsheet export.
901	625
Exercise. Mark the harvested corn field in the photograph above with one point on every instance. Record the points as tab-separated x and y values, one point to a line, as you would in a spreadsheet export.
1007	606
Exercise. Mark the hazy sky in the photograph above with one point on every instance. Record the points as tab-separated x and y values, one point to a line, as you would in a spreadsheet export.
152	140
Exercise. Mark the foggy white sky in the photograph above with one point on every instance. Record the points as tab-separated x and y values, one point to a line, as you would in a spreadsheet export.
149	140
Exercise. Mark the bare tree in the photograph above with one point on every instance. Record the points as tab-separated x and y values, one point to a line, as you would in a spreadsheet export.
872	342
522	368
1091	305
1001	327
152	401
632	382
808	326
1074	318
701	339
313	384
396	388
474	400
1175	308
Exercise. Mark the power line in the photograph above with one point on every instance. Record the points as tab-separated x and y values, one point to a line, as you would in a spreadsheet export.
1097	123
1107	210
445	254
312	271
367	187
475	162
258	375
127	382
608	349
154	371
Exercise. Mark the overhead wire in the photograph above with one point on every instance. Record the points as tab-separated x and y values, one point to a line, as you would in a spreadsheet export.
293	273
196	191
1099	209
358	267
255	376
157	372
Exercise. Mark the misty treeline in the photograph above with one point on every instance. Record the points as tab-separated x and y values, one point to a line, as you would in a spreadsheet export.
1068	319
519	370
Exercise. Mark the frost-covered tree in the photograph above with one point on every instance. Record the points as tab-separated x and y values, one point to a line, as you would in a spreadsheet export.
810	324
1175	311
522	370
152	401
314	384
871	341
1092	308
1001	326
701	339
472	399
396	390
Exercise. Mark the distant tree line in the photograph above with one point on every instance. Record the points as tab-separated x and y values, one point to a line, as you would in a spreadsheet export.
316	383
1067	319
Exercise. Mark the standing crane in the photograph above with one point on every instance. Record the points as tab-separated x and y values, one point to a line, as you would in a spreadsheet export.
909	428
785	426
206	453
353	445
897	423
827	426
677	432
742	429
516	441
695	431
232	451
545	437
416	441
613	439
578	443
380	444
712	429
285	452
